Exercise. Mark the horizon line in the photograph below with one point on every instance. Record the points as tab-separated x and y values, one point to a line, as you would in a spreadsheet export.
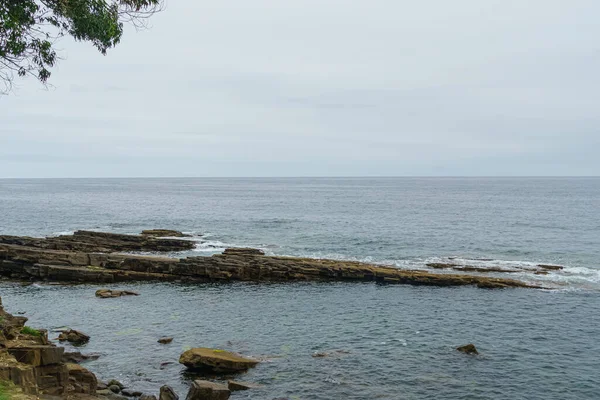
305	177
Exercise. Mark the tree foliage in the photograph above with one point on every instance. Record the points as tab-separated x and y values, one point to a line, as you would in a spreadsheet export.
29	30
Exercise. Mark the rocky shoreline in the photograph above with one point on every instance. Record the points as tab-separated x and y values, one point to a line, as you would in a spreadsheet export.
37	368
98	257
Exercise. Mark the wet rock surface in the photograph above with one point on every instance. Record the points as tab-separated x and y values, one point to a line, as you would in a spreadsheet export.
73	336
206	390
468	349
165	340
38	259
215	360
107	293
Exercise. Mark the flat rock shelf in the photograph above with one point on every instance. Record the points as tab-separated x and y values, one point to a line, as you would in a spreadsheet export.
96	257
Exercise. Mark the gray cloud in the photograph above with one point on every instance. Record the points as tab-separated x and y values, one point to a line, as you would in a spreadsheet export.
299	88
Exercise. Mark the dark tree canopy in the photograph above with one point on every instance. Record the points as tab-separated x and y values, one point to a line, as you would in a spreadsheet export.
30	28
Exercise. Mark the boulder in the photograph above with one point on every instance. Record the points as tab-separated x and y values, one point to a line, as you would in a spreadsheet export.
114	388
148	397
73	336
114	382
165	340
238	385
215	360
82	380
107	293
205	390
167	393
468	349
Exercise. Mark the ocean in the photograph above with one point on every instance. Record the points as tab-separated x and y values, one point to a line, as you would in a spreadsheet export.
397	342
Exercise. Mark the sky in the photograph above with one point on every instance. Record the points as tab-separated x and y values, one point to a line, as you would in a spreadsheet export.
321	88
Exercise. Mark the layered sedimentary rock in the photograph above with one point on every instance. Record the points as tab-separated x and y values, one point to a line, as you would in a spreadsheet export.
20	259
101	242
31	362
215	360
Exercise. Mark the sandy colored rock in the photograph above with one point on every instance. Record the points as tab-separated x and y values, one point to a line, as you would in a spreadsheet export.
205	390
82	380
468	349
215	360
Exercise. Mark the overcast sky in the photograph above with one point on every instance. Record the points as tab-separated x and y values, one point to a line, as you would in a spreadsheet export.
321	88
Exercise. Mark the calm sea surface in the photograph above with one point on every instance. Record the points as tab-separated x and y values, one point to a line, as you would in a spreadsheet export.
398	341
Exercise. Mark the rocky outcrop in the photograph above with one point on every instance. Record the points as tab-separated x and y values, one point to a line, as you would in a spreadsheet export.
163	233
29	360
73	336
19	261
468	349
215	360
165	340
101	242
205	390
107	293
82	380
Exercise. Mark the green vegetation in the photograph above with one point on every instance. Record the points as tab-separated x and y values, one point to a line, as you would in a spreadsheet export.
29	30
5	389
30	331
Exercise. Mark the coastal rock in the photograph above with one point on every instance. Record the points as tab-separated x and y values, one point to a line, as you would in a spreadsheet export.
165	340
242	251
468	349
73	336
205	390
82	380
107	293
114	389
163	233
215	360
148	397
36	259
131	393
76	357
238	385
167	393
114	382
550	267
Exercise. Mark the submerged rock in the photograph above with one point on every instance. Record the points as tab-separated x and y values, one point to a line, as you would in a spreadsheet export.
215	360
468	349
107	293
238	385
243	251
205	390
76	357
114	382
165	340
167	393
73	336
